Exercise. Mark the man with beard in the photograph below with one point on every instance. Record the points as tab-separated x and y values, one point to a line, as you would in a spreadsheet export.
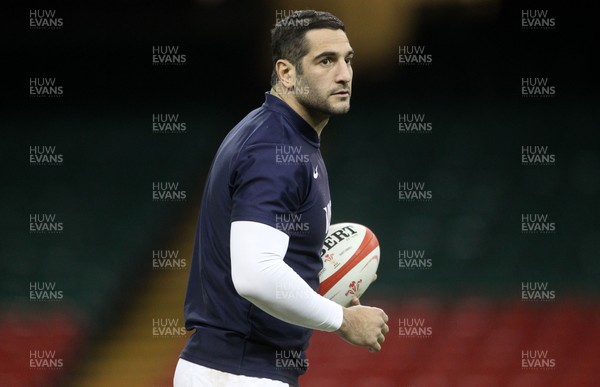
265	212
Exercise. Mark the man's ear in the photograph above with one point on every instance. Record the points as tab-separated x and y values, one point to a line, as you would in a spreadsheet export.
286	73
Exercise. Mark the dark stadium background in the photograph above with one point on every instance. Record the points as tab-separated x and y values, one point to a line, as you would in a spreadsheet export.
470	299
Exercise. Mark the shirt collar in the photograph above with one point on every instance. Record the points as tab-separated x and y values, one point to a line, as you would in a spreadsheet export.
298	123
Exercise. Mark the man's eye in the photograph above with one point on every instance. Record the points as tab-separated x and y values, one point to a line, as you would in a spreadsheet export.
349	60
326	61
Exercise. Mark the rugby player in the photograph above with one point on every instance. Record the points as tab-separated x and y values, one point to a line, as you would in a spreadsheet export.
266	208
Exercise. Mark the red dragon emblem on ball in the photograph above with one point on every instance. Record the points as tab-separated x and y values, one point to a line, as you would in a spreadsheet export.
354	287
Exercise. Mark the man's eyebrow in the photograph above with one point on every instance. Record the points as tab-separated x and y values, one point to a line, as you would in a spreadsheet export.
327	54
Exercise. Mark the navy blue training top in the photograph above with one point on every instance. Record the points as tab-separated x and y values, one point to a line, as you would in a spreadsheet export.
268	169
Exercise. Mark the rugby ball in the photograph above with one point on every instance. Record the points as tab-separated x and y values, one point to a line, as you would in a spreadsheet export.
350	257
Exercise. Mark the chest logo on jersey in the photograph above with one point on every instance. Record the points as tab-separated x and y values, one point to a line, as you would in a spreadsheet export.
327	210
316	172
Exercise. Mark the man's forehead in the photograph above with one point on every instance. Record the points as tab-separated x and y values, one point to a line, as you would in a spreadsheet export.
325	39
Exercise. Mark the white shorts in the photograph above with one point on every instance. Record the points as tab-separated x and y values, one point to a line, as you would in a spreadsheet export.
188	374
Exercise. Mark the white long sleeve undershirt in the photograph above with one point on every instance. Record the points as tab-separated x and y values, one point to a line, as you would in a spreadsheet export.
261	276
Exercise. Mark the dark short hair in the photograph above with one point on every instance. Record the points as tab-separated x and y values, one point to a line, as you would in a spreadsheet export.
288	37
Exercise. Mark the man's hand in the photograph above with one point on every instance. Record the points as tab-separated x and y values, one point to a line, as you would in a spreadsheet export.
364	326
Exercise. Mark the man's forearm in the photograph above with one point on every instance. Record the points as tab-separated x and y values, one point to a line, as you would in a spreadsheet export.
261	276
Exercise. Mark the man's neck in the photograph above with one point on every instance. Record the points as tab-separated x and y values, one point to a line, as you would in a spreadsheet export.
317	123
